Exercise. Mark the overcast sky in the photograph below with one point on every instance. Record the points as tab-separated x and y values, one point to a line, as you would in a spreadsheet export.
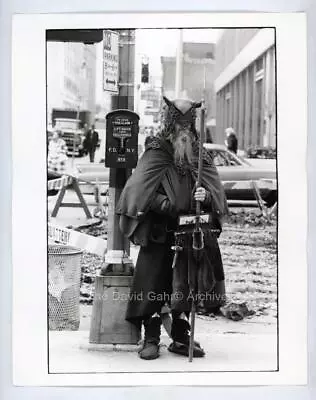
155	43
163	42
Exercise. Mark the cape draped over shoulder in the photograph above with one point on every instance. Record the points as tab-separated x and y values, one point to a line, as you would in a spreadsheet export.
156	167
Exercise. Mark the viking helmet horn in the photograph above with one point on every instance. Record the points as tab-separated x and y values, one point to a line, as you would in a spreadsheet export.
197	105
167	101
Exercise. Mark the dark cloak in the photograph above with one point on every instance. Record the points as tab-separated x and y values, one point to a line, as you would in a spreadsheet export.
153	273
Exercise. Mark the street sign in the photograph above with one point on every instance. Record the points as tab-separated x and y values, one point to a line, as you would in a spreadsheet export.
110	61
122	128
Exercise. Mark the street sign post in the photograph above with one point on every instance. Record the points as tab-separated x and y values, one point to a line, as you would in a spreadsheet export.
108	324
110	61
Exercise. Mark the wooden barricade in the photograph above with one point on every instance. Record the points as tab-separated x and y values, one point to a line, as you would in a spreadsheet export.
266	212
63	184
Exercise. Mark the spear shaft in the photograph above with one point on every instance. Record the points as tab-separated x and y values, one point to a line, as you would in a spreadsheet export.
198	242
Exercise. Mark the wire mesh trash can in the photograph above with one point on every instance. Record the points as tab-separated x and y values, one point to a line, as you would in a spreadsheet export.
64	273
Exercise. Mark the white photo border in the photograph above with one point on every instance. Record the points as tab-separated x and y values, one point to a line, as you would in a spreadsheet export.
29	196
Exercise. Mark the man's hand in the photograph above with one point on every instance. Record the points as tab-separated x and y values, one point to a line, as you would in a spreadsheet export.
162	205
200	194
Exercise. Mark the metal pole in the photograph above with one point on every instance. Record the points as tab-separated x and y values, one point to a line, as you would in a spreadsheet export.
108	324
74	138
179	65
118	245
82	67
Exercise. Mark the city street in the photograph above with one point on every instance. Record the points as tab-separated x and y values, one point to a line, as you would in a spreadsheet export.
144	88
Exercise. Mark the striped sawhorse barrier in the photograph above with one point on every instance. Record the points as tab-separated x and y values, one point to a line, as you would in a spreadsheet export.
59	183
62	184
65	236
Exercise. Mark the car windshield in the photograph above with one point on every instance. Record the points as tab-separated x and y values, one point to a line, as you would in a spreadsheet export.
224	159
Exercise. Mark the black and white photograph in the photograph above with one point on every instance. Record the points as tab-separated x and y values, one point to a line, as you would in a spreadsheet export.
170	236
162	200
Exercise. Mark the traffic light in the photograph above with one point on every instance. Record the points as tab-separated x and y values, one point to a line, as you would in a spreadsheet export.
145	73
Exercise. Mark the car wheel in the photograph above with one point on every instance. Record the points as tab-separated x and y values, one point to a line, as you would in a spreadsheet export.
271	199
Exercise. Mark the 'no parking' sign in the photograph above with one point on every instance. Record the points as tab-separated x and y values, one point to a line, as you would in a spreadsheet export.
110	61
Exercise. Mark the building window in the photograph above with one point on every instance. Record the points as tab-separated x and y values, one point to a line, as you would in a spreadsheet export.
259	64
258	110
259	75
236	103
227	108
243	107
251	94
259	68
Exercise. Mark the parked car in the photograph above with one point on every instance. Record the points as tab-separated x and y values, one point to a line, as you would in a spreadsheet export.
236	174
265	152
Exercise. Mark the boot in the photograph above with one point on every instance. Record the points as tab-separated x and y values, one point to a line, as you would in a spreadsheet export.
181	339
150	349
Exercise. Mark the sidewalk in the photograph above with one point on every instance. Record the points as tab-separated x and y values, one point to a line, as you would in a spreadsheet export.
229	346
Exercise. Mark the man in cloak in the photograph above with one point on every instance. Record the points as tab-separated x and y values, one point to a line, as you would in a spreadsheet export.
161	188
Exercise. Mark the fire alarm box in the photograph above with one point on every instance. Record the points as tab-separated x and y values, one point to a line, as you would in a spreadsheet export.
122	127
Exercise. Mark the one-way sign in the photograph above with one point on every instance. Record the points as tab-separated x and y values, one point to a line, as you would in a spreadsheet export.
110	61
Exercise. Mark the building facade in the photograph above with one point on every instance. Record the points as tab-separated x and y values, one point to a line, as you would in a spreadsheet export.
245	86
71	77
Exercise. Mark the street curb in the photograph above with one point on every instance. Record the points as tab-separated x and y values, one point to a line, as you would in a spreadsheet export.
128	348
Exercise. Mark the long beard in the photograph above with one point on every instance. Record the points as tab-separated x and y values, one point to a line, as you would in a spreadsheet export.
183	152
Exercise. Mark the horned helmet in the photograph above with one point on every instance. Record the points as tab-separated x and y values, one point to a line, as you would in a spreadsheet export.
177	111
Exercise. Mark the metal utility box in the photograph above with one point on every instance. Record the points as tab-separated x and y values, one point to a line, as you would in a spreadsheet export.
108	324
122	127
